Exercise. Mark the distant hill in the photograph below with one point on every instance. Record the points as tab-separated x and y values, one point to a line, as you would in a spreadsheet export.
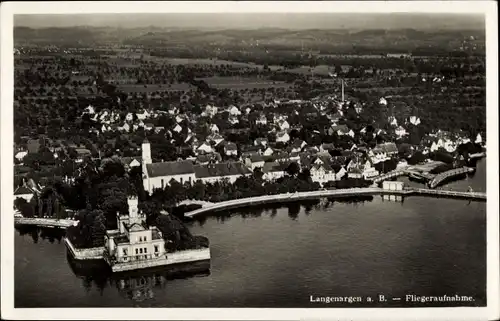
296	21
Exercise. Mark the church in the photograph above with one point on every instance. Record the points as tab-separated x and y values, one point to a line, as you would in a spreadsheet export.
159	175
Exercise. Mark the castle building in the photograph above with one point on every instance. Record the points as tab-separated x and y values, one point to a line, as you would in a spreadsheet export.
133	240
134	245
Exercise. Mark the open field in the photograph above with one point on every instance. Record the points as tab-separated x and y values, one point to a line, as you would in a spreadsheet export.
243	82
148	88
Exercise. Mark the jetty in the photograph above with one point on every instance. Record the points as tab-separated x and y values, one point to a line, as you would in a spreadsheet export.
349	192
449	174
44	222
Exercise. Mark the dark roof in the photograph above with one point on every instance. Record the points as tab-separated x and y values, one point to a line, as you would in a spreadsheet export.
343	128
327	146
297	143
170	168
23	190
230	146
274	167
386	147
122	239
256	158
82	151
128	160
221	169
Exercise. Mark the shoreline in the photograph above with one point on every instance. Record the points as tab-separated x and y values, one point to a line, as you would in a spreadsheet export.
269	199
280	198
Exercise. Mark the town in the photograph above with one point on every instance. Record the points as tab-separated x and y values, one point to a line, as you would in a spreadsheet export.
98	126
250	160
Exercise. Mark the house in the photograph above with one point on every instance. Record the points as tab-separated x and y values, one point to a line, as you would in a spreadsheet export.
179	118
355	172
130	162
159	175
268	152
254	160
368	170
177	128
392	121
212	173
233	120
129	117
81	154
20	155
230	149
322	172
414	120
350	133
273	170
326	147
338	129
105	128
124	128
142	114
261	142
283	125
335	117
214	129
382	101
400	131
216	139
25	192
210	111
340	173
159	129
358	108
234	111
262	120
383	152
297	145
205	148
134	240
479	139
89	110
282	137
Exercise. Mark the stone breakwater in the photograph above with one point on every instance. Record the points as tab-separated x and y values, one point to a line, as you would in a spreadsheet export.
267	199
94	253
47	222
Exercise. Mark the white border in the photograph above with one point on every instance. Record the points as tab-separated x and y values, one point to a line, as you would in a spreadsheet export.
491	312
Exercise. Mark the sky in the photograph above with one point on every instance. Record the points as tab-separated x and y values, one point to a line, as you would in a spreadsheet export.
260	20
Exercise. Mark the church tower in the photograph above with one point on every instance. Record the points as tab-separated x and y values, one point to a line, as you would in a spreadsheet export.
146	152
146	159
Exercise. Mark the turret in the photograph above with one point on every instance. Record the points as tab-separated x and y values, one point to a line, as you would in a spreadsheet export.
132	202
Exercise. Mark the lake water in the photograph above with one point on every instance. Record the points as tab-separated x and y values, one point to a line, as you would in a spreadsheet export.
280	257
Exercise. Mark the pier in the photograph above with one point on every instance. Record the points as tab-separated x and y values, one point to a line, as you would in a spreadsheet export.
268	199
389	175
479	196
44	222
448	174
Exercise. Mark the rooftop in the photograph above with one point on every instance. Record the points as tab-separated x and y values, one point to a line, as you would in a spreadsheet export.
221	169
170	168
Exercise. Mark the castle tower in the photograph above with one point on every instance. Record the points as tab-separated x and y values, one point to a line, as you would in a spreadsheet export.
133	211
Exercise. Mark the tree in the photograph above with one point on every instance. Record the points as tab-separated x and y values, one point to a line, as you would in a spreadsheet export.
293	169
98	228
